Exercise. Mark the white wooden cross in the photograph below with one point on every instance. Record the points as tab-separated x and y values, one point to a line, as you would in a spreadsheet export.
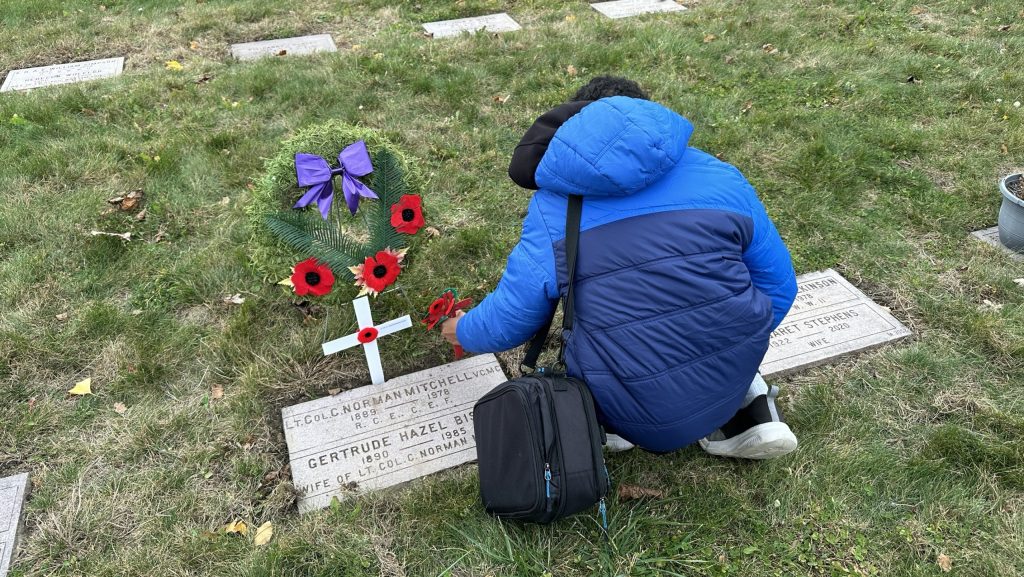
367	336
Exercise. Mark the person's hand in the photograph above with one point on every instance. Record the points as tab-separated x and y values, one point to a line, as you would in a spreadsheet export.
449	326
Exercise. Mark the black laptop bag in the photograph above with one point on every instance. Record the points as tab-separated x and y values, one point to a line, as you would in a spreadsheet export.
538	443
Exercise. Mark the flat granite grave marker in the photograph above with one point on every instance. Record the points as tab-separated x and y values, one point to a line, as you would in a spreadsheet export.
627	8
13	491
28	78
991	236
381	435
829	318
492	23
284	46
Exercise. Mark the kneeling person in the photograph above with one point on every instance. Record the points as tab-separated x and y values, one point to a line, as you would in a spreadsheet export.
681	276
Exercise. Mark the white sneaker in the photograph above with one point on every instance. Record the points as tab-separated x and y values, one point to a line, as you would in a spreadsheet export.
756	432
617	444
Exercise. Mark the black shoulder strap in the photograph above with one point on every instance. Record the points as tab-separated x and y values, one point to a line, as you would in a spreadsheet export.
573	215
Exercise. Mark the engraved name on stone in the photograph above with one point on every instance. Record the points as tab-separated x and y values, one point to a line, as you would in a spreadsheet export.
381	435
627	8
13	491
284	46
28	78
830	317
492	23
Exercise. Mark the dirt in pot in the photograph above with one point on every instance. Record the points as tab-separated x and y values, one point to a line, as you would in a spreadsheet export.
1016	188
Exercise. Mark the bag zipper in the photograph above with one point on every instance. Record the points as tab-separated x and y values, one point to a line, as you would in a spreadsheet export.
556	440
547	485
598	455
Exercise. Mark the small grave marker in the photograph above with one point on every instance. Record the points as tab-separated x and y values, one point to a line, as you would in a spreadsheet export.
367	336
627	8
991	236
284	47
28	78
13	491
382	435
829	318
492	23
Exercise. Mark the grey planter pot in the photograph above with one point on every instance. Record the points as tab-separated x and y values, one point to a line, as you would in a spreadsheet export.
1011	217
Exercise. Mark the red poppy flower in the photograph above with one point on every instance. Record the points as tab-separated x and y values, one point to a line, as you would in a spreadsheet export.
311	277
368	335
442	308
378	271
407	214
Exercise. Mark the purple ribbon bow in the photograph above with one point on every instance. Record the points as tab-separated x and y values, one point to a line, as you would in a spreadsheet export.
314	172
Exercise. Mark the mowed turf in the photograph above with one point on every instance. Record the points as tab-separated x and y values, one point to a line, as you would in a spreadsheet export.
874	131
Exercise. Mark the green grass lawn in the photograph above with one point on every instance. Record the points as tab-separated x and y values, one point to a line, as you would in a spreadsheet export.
909	453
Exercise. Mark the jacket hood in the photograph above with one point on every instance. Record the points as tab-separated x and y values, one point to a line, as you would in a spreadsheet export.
613	147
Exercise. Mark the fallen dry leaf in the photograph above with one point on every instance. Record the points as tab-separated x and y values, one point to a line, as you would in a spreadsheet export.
334	392
131	200
193	45
83	387
237	527
432	232
225	201
1004	27
570	70
770	49
263	534
235	299
309	310
631	492
282	52
217	392
119	408
747	106
61	316
729	59
141	216
204	79
945	563
502	99
125	236
31	403
1004	149
1019	281
709	38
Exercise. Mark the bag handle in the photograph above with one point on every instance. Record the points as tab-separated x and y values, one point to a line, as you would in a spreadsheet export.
573	216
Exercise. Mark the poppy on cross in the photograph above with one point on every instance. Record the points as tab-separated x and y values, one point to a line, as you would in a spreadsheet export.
367	336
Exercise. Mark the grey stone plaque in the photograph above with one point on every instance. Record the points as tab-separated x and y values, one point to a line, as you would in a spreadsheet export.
283	47
28	78
13	491
829	318
492	23
991	236
381	435
627	8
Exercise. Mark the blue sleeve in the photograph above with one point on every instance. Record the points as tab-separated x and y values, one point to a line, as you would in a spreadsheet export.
769	262
524	299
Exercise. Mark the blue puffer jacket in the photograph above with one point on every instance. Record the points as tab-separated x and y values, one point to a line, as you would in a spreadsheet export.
680	280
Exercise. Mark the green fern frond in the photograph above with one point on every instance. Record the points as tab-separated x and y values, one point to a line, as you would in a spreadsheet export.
389	184
308	233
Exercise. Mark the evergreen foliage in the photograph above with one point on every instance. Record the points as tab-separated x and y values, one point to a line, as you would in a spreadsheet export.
308	233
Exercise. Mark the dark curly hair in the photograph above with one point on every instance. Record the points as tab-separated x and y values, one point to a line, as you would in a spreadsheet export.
605	86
